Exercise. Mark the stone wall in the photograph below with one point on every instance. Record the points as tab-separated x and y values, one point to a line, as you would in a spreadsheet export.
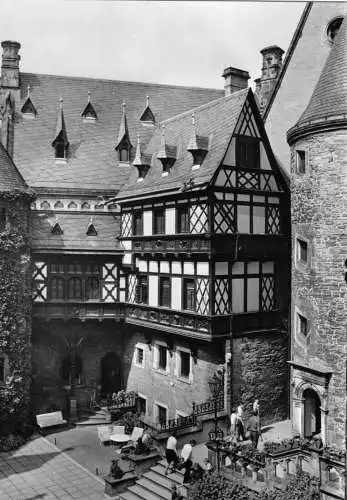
167	388
260	371
319	215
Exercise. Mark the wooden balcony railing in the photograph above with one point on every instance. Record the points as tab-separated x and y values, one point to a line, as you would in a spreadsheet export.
78	310
190	324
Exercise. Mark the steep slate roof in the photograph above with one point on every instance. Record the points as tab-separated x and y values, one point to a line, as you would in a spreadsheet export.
10	178
215	120
329	98
74	237
92	162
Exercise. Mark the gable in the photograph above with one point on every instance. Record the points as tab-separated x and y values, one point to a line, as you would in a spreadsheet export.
301	70
248	162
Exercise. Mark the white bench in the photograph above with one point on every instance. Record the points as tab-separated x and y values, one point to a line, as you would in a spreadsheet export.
50	419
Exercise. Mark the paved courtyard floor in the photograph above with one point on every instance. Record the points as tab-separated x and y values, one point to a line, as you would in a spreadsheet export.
39	470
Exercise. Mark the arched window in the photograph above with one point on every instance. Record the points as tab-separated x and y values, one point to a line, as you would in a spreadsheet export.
124	155
57	288
75	288
92	288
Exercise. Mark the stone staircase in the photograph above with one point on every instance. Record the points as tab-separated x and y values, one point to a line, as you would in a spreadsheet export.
96	417
154	485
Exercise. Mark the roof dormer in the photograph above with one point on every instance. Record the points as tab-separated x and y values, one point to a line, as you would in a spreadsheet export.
147	117
166	154
60	141
91	231
197	146
56	229
141	162
89	114
123	146
28	109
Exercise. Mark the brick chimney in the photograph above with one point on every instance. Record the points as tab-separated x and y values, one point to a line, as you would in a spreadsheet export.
10	65
235	79
272	65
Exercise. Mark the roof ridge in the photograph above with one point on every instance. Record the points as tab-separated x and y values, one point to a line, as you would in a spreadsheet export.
128	82
205	106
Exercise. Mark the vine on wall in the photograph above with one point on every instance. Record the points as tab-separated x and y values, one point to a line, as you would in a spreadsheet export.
15	314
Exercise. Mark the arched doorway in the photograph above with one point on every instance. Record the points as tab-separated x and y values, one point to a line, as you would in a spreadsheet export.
110	374
312	413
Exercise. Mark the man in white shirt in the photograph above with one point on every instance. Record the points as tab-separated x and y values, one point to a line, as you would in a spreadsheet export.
186	457
171	453
240	430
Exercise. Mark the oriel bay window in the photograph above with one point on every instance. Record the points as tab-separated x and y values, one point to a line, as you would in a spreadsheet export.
253	287
258	214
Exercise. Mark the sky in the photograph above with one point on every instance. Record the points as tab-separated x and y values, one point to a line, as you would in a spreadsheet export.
179	43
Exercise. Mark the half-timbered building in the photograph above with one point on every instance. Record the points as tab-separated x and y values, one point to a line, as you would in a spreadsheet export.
205	233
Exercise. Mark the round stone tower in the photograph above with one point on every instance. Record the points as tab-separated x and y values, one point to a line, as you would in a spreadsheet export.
319	244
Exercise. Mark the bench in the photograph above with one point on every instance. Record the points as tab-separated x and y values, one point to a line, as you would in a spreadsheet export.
52	419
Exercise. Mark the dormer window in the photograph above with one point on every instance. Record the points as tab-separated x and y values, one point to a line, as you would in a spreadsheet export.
197	146
147	117
247	152
124	155
166	154
28	109
57	230
60	142
89	113
123	146
60	149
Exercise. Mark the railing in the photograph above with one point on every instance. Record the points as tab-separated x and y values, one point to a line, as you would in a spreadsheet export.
180	243
129	402
78	310
208	407
176	321
177	423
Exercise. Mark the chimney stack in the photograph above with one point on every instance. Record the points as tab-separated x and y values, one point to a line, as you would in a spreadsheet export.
235	79
272	65
10	65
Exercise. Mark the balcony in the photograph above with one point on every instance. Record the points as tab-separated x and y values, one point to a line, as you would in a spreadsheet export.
79	310
199	326
180	323
238	246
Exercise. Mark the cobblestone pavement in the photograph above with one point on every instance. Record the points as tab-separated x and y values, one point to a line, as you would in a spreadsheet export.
40	471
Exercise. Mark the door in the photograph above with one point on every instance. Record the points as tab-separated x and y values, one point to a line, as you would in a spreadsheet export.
110	374
312	424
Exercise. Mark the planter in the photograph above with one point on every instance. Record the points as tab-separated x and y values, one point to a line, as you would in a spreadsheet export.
113	487
142	463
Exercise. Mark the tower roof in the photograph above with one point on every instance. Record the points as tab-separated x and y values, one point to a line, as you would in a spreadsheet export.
329	98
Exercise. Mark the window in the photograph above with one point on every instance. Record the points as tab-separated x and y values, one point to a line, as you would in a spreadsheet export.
124	155
2	218
184	364
300	162
164	292
74	268
247	152
159	222
2	370
142	404
162	357
139	359
189	294
92	288
57	288
142	290
161	413
182	220
137	224
301	251
60	149
75	288
302	324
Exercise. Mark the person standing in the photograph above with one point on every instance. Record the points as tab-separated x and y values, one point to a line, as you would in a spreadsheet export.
253	426
171	453
239	427
256	407
186	457
233	418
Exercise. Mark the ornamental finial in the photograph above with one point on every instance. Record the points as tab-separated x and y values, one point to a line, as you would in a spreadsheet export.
147	101
193	119
28	89
89	94
124	106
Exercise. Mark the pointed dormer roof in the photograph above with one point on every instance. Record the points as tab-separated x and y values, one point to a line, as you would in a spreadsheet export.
196	142
60	131
91	231
89	111
141	161
328	104
123	134
166	151
28	107
147	114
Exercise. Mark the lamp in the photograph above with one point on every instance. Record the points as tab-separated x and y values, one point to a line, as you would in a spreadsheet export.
216	385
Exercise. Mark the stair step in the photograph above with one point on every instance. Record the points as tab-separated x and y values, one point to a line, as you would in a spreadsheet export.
163	481
143	493
128	495
164	464
154	488
176	477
